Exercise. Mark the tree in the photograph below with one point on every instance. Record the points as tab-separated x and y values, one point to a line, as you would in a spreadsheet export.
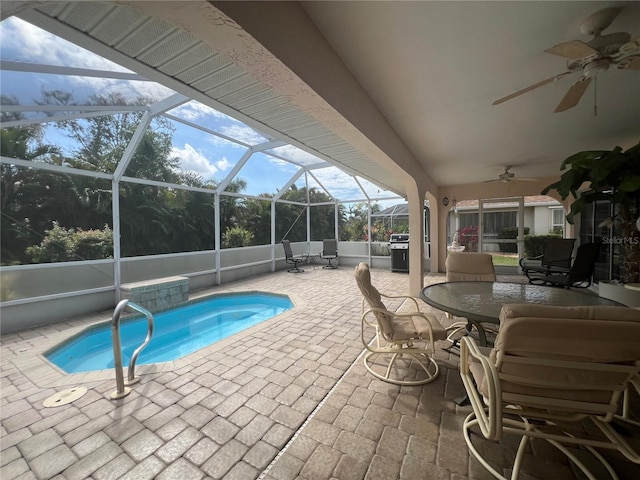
153	219
232	208
16	225
258	219
356	225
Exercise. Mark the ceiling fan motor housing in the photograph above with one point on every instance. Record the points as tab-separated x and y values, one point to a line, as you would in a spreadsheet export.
592	68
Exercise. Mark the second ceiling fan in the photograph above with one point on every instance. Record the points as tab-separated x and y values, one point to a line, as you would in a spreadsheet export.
590	58
508	176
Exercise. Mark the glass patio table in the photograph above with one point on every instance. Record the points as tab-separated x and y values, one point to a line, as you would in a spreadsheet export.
481	302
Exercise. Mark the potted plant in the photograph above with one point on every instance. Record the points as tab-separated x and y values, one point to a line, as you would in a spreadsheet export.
612	175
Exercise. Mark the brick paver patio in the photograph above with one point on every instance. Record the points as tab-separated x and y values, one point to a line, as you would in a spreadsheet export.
286	399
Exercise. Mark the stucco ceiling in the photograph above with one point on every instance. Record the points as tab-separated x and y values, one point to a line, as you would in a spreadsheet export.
434	69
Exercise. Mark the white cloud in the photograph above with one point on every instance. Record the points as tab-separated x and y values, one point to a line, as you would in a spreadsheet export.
194	161
338	183
296	155
194	111
242	133
27	43
223	164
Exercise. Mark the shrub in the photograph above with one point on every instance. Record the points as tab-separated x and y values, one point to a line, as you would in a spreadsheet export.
510	232
65	245
237	237
468	236
534	244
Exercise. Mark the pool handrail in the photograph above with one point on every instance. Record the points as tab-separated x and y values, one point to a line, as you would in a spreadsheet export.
121	389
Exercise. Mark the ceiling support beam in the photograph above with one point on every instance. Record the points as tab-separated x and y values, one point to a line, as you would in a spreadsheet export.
9	65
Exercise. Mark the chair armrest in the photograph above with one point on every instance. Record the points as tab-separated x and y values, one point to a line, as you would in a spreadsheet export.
487	410
406	297
536	269
524	259
430	320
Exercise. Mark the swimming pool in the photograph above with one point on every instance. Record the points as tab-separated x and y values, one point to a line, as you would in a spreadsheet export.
177	332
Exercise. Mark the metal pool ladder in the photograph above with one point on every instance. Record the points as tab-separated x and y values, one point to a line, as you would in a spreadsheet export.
122	390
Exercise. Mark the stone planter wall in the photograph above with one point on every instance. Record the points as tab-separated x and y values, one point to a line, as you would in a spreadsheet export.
157	294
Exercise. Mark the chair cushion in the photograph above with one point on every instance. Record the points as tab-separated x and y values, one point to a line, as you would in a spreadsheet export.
373	298
417	326
570	333
582	334
469	267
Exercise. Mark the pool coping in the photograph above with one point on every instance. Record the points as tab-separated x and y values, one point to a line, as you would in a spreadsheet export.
44	374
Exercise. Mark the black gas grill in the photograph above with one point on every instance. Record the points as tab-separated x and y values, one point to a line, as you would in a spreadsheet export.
399	245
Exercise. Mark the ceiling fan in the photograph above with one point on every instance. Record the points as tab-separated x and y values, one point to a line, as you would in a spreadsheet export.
508	176
590	58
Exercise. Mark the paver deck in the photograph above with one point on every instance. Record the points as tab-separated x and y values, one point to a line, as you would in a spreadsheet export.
286	399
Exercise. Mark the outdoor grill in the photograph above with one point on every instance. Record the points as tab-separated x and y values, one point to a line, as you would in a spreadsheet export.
399	245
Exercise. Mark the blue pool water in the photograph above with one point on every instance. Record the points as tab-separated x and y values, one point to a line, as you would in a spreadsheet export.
176	333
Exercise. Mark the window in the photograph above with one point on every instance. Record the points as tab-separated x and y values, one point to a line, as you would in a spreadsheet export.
556	219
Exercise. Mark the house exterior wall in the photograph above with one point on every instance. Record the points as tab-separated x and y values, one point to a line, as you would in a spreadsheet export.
541	220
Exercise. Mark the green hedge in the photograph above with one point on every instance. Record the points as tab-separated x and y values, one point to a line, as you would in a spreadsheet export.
510	232
534	244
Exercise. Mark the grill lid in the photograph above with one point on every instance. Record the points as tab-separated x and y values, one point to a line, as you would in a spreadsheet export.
399	238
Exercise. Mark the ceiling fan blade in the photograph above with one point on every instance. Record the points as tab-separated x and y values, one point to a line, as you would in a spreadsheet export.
630	63
574	50
573	95
530	87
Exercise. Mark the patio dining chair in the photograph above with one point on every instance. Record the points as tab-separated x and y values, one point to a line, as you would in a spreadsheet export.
579	275
557	374
467	267
329	252
292	259
557	254
403	342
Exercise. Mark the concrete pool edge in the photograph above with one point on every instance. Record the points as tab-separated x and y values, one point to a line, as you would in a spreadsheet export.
33	364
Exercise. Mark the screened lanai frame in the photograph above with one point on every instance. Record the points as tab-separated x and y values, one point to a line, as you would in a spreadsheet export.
310	169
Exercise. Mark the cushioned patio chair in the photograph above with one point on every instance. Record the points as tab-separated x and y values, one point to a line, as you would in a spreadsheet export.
329	252
554	373
467	267
557	253
400	352
579	275
292	259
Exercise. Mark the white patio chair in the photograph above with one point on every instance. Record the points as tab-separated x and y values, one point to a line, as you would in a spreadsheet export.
467	267
403	343
551	371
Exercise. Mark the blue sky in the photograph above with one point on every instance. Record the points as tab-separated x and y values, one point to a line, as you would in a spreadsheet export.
208	155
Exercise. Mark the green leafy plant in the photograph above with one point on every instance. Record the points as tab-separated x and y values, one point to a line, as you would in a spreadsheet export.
509	233
610	175
534	244
62	244
237	237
